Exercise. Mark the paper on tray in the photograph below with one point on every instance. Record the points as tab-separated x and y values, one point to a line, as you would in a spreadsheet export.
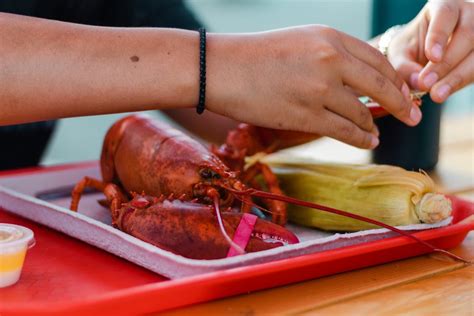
92	225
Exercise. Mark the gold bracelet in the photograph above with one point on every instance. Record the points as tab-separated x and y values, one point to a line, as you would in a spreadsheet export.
387	37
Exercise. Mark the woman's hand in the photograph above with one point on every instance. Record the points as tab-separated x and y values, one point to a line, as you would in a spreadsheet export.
302	79
434	52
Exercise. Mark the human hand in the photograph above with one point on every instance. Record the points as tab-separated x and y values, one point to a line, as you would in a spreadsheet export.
303	79
434	52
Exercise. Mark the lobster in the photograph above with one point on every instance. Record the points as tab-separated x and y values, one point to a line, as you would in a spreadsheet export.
184	186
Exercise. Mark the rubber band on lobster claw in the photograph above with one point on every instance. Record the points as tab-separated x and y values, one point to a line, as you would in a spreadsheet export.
237	245
243	233
267	195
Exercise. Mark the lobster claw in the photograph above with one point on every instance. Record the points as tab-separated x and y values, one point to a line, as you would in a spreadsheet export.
191	229
262	234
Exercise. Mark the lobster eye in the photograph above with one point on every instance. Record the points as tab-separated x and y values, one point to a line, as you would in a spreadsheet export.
206	173
222	193
209	174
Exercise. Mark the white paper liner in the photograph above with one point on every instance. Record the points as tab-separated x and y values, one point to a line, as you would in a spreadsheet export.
92	225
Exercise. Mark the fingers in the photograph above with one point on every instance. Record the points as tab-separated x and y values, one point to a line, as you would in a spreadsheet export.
409	70
346	104
459	77
459	47
381	81
372	83
444	17
346	131
372	57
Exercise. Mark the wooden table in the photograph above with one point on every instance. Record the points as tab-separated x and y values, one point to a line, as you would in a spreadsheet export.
419	286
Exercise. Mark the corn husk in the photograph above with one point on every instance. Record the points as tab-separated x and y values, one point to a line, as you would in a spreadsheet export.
389	194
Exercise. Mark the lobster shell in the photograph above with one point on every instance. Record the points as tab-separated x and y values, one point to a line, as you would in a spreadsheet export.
141	155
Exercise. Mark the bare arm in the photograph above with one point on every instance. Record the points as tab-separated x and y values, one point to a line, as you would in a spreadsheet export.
209	126
51	69
289	79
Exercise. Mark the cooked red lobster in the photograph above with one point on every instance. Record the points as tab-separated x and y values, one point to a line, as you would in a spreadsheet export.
166	188
184	186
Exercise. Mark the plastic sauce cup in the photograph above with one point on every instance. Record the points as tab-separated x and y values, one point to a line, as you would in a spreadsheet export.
15	240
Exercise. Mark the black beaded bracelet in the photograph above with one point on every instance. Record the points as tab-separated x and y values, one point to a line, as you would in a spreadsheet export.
202	71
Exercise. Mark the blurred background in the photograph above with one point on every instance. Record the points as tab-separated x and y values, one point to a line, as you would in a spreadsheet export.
80	139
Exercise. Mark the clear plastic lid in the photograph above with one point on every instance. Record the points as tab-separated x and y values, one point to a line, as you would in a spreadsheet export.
15	236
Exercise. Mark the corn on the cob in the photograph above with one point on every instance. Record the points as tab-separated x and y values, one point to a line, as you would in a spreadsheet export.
386	193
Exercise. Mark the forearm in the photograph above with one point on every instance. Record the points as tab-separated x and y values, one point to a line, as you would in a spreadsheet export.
51	69
209	126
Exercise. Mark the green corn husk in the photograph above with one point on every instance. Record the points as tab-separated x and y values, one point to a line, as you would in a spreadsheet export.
385	193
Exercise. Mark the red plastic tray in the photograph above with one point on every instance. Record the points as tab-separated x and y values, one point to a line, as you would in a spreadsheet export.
64	276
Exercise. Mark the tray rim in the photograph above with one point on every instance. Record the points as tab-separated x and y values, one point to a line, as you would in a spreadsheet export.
58	167
252	271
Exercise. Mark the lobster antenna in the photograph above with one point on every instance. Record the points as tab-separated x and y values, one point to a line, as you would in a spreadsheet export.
222	228
278	197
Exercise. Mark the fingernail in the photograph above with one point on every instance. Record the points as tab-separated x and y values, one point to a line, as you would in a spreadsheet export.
415	115
414	80
437	51
406	91
443	91
430	79
374	142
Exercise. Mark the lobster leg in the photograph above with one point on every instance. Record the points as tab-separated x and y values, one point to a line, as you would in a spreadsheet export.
86	182
247	203
277	208
115	196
